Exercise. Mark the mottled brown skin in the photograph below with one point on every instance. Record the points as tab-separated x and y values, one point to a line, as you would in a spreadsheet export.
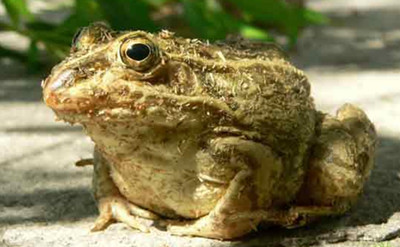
208	139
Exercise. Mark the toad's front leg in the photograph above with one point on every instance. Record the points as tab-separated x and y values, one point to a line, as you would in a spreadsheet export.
112	205
237	212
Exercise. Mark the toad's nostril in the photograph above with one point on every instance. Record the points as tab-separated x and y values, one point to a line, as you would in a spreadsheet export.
64	79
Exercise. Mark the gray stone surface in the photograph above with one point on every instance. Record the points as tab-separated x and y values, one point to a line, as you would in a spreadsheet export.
46	201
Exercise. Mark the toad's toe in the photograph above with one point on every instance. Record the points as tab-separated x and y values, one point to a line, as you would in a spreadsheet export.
115	208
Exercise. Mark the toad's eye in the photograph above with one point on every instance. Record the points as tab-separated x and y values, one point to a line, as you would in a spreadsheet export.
75	40
139	54
92	35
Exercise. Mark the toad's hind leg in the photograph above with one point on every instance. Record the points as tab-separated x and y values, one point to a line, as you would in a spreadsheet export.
112	205
340	162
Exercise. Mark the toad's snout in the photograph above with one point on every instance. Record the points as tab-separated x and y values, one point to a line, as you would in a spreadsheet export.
63	79
57	93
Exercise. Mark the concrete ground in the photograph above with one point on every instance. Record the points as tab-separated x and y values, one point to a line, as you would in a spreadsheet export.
46	201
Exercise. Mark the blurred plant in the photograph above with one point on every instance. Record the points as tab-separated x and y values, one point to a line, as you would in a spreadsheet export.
383	244
206	19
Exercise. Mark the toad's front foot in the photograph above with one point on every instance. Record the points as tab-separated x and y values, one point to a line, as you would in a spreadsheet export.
116	208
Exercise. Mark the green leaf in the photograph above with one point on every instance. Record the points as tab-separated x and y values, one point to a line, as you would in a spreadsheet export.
18	12
88	10
33	56
157	3
252	32
127	14
273	13
57	51
84	13
7	27
40	25
208	20
314	17
288	18
269	11
51	37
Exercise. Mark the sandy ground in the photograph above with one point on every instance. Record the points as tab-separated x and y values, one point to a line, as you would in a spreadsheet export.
46	201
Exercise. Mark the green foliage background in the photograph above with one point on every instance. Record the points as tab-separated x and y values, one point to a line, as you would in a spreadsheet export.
205	19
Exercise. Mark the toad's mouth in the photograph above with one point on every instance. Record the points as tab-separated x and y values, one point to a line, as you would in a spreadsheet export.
122	100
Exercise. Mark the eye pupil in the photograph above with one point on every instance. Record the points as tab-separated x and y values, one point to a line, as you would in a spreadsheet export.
138	52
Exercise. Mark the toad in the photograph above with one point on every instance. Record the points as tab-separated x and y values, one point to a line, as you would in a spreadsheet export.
209	139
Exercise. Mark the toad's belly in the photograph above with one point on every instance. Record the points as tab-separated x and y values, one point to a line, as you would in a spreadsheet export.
170	192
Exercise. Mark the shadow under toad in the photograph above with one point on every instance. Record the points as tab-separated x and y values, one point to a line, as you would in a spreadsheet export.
44	129
48	205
